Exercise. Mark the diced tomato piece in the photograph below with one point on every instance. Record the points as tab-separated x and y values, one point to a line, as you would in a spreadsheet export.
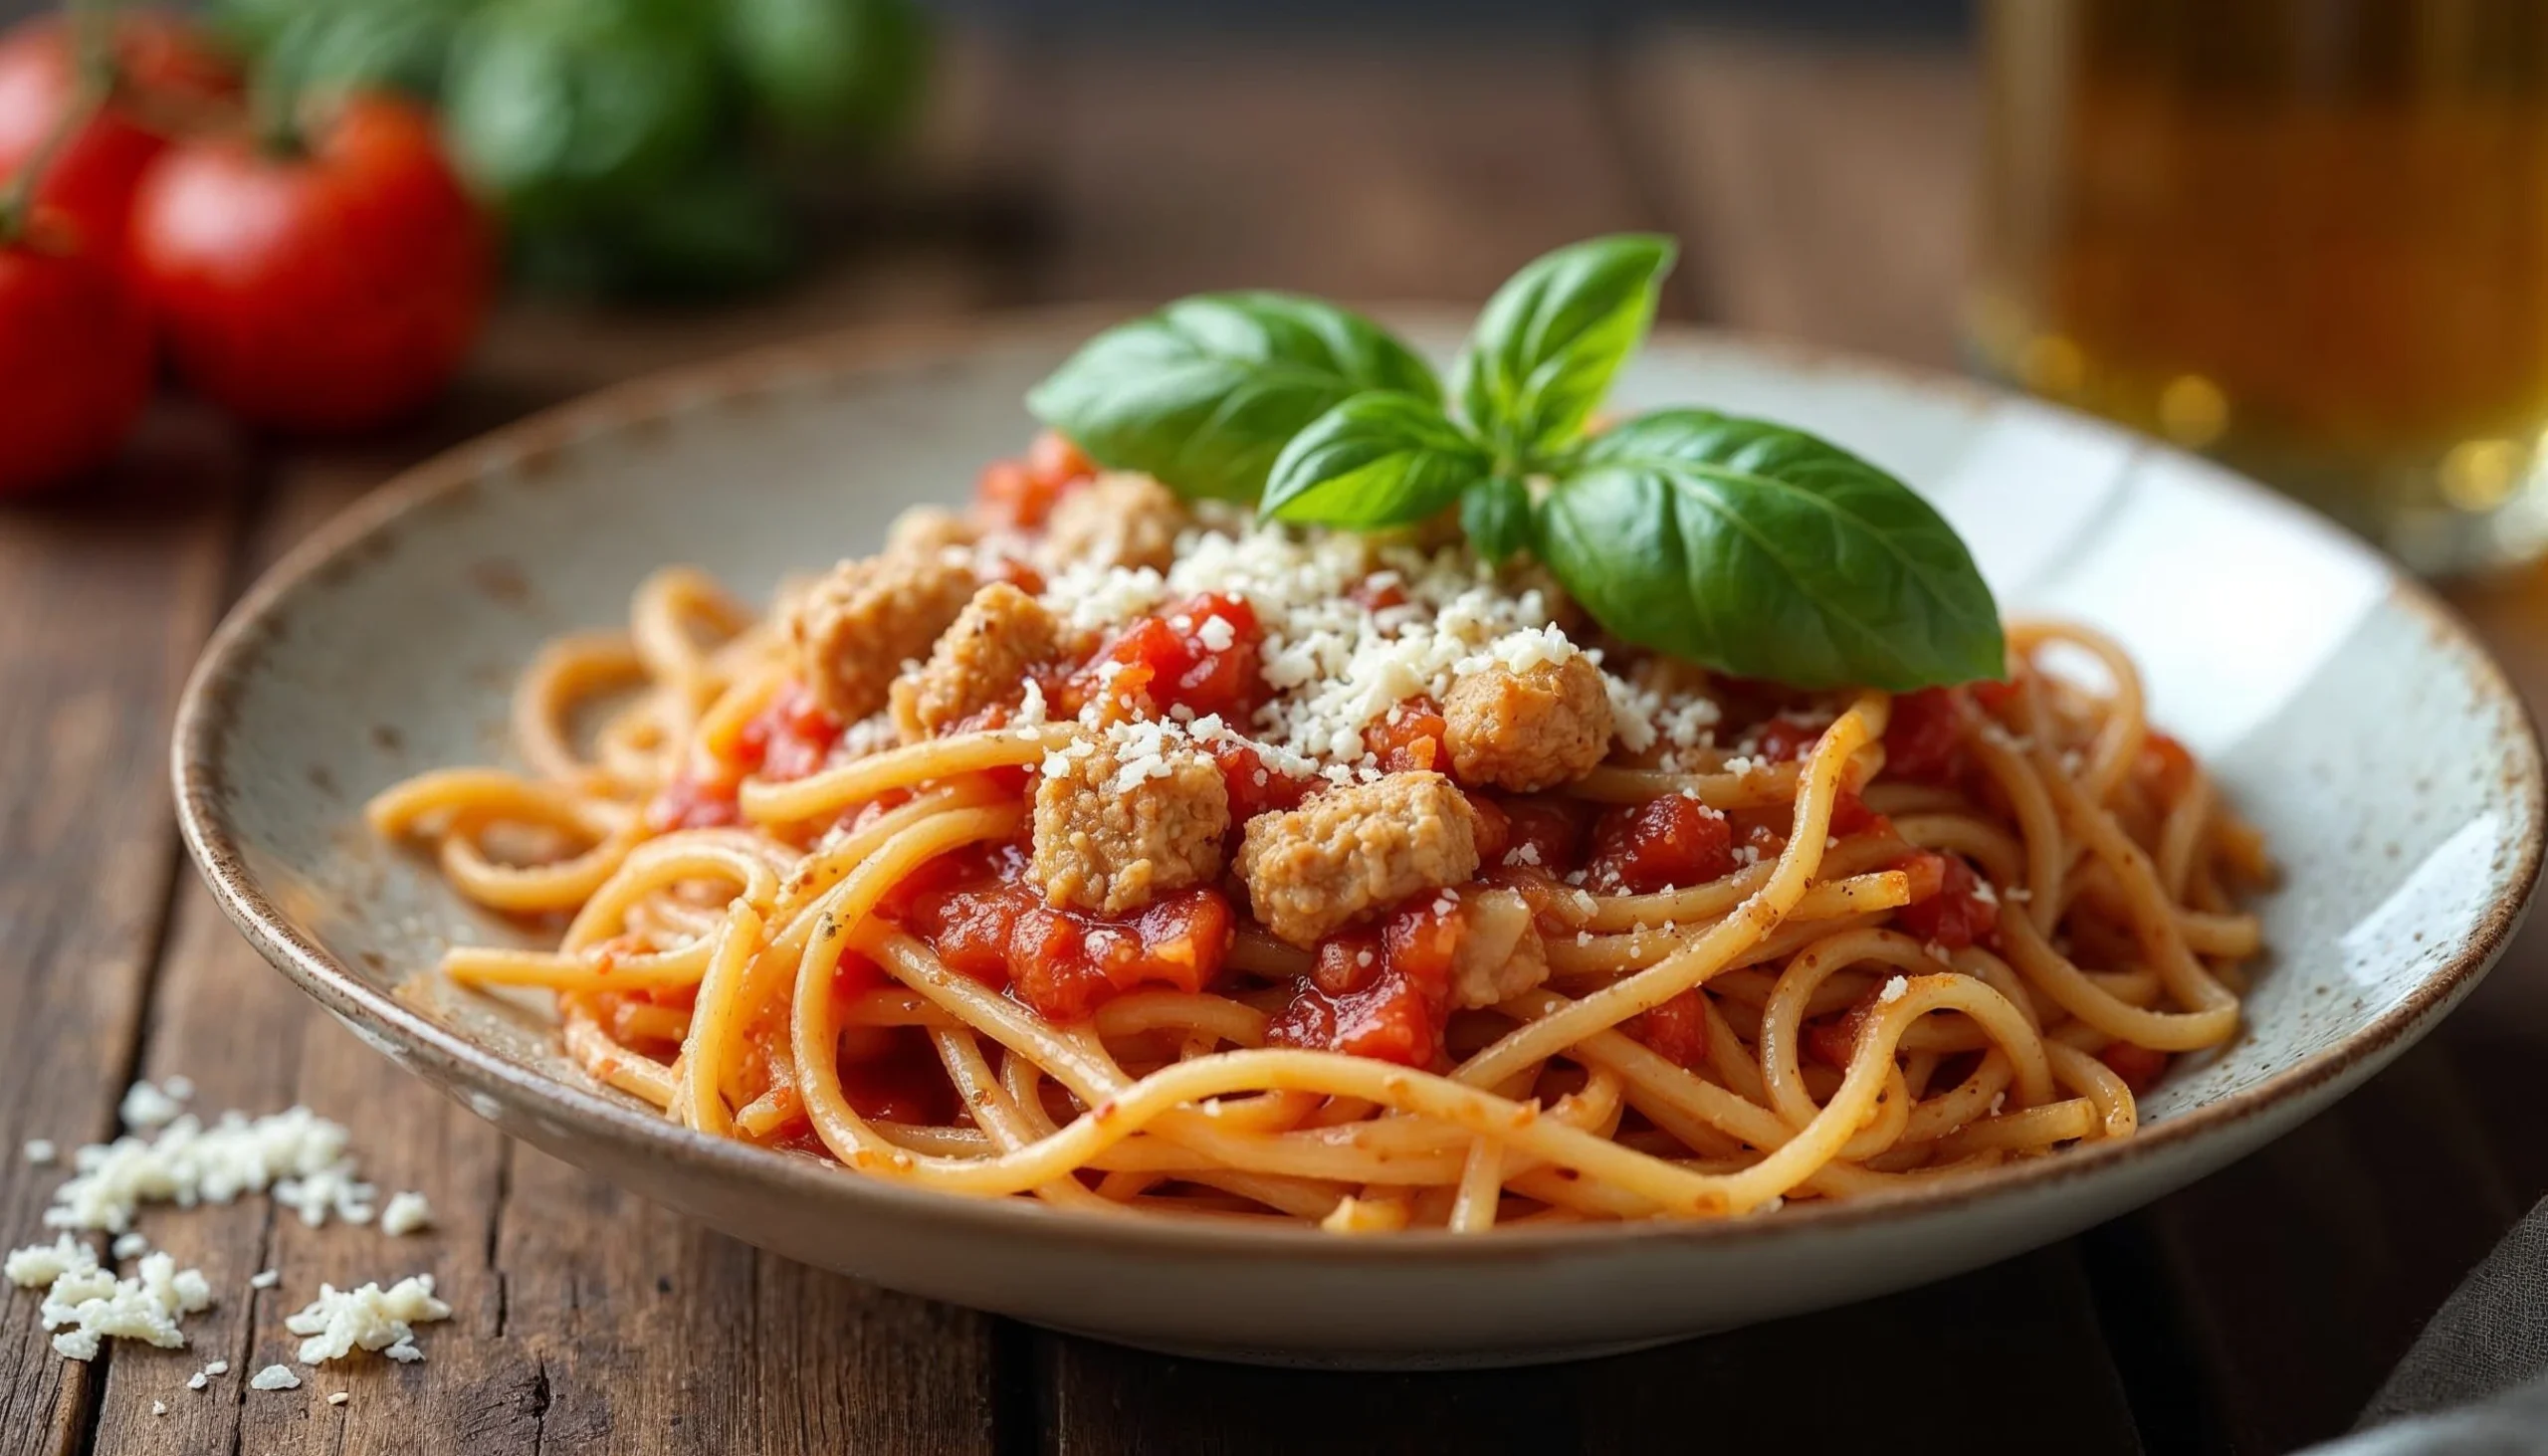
2140	1067
689	802
1007	494
993	926
1409	738
1784	737
2169	766
856	973
1019	493
1924	739
1994	697
1832	1039
1055	462
1955	915
1675	840
1677	1030
1255	786
1547	833
1201	655
1378	592
1384	995
789	739
1851	815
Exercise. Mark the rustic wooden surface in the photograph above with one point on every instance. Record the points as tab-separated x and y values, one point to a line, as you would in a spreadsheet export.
1819	193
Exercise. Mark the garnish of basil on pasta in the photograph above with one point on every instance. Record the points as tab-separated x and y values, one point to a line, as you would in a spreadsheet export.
1747	546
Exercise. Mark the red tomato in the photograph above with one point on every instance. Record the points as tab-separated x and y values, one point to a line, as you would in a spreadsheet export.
75	357
163	73
1381	994
1673	841
1677	1029
1409	736
1924	739
1547	833
329	291
1955	915
1255	786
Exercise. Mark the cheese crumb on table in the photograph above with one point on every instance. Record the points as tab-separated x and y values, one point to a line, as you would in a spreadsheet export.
95	1306
40	1152
129	1246
340	1322
274	1377
265	1279
297	1155
407	1213
341	1397
158	1407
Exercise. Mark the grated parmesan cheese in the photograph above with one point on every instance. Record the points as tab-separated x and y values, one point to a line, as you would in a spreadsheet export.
147	1106
1894	990
89	1305
340	1397
340	1322
407	1213
129	1246
274	1377
297	1155
265	1279
1333	663
40	1152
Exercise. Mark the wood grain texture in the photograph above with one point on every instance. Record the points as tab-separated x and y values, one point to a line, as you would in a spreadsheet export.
1821	191
103	600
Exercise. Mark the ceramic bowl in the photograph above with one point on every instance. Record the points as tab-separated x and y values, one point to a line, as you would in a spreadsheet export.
2344	711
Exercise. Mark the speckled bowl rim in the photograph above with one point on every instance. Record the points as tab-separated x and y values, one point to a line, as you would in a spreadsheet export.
205	712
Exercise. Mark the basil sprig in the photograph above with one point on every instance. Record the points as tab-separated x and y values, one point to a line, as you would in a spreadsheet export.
1205	392
1744	545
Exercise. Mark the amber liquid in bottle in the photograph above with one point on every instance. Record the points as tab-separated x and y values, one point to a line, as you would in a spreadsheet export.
2307	236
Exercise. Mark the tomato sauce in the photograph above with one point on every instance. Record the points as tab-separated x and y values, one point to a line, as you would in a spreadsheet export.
1946	908
1924	737
1409	738
1547	834
903	1083
989	921
1832	1039
1201	655
1020	494
2140	1067
1638	849
1256	787
1677	1030
1383	992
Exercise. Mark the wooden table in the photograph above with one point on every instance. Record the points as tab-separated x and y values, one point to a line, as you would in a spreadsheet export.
1819	193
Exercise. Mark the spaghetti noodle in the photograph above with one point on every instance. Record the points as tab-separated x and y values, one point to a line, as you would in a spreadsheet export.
1208	871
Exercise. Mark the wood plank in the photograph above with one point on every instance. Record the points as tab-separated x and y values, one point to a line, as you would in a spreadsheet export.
104	594
1390	169
583	1316
1821	190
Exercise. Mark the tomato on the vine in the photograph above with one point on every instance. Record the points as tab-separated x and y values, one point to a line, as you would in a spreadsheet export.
75	352
157	73
333	284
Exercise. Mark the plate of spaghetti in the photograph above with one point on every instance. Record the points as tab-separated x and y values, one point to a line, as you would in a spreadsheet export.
1318	842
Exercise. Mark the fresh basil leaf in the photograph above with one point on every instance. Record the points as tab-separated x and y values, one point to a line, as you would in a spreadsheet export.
1548	343
1496	516
1205	392
1377	460
1762	551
